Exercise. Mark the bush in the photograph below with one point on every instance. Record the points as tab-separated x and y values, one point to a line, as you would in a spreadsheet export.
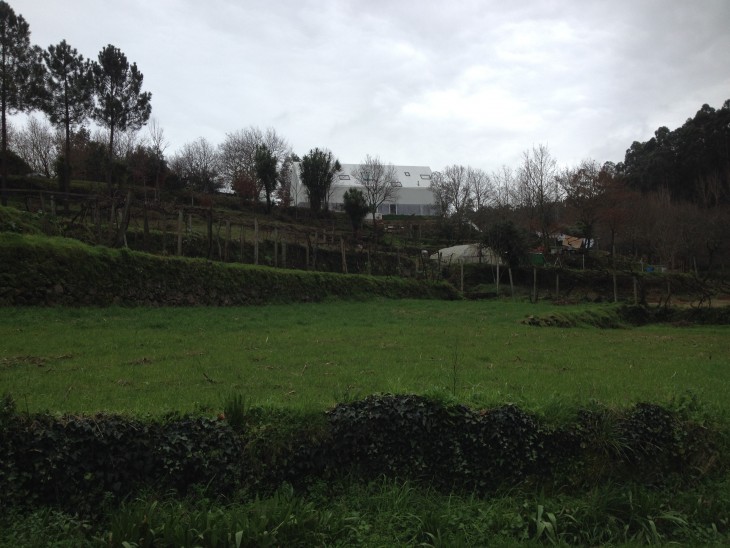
75	462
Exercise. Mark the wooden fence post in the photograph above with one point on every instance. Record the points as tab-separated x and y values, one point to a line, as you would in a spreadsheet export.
209	215
636	291
462	274
228	239
255	241
179	232
306	252
164	236
314	249
146	233
276	247
97	220
344	256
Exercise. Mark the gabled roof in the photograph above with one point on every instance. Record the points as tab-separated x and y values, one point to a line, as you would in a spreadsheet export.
408	176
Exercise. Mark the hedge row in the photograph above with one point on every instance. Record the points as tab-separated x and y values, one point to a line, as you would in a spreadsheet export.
77	462
37	270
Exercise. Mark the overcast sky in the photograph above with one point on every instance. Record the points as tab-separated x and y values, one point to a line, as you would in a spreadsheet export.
415	82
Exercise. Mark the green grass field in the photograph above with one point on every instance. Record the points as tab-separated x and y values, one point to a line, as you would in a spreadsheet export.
149	361
155	360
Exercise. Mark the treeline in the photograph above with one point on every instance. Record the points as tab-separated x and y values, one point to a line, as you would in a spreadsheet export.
691	162
666	203
68	89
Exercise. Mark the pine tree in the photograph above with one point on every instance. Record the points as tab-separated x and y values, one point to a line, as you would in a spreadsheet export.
69	96
21	76
120	102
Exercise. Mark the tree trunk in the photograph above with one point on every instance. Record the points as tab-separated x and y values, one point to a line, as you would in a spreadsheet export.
122	231
511	283
110	160
66	179
4	174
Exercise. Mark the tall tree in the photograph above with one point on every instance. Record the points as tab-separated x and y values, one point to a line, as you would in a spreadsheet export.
508	242
198	165
69	96
584	187
21	75
378	181
356	207
685	159
158	144
121	103
481	187
440	194
284	187
238	158
265	163
318	169
452	193
539	190
37	144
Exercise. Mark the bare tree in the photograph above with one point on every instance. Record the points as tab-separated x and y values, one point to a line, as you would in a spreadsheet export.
198	166
481	187
124	143
504	188
538	189
584	187
378	180
238	156
37	144
440	198
158	144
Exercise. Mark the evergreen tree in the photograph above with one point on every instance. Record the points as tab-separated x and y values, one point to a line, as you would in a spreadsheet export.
69	96
356	207
21	74
265	165
121	103
318	169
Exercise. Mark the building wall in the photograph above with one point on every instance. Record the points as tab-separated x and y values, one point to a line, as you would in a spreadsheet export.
414	195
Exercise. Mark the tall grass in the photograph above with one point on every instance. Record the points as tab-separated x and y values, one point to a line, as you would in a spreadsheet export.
393	513
154	360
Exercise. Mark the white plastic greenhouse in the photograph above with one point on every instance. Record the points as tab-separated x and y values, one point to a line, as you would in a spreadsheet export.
466	253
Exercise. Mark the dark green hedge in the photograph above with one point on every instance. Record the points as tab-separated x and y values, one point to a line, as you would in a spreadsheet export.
77	462
36	270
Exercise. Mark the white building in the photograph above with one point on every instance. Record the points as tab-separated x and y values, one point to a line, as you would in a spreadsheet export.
414	196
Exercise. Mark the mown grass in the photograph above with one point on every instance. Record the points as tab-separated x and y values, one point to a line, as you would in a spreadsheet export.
155	360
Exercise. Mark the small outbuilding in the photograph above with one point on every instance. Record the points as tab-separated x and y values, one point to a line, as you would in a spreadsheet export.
467	253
